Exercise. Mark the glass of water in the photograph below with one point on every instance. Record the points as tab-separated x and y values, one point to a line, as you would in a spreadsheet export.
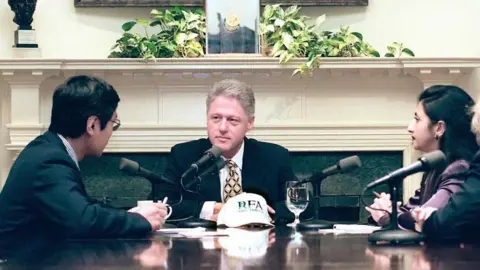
297	199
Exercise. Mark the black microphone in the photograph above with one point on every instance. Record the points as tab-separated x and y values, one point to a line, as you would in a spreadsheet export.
344	165
219	164
432	160
133	168
212	153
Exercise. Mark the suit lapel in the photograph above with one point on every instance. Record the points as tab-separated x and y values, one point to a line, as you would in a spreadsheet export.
251	168
53	138
210	187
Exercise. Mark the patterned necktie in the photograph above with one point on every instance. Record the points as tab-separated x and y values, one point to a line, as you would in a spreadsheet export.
233	185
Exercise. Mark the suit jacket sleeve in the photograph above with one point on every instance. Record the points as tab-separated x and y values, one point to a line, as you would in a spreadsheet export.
184	204
461	216
60	196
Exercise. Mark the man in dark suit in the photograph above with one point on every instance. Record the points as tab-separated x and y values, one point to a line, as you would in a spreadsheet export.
44	201
251	165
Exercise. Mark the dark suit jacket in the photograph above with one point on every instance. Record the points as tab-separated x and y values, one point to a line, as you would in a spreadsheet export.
44	202
266	167
459	220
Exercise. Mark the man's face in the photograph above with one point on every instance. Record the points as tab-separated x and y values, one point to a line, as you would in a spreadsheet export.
99	138
227	124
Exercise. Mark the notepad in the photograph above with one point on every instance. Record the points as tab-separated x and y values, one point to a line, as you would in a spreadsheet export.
180	230
350	229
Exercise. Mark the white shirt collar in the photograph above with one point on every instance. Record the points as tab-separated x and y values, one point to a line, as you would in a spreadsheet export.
70	150
238	158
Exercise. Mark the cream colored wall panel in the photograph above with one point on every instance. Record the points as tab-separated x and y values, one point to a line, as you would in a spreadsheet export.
184	108
355	100
277	107
138	104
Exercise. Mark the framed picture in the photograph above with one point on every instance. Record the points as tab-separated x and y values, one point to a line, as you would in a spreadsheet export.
232	27
200	3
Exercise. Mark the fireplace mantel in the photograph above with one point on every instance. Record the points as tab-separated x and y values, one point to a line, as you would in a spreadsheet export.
350	104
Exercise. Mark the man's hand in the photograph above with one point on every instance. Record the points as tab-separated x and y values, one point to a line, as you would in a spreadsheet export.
271	212
155	214
420	215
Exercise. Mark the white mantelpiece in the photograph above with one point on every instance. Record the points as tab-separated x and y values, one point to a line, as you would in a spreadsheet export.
353	104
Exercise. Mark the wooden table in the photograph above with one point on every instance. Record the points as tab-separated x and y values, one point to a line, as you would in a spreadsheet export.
280	248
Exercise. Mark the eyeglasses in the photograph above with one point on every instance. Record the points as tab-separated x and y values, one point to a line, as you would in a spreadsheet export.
116	124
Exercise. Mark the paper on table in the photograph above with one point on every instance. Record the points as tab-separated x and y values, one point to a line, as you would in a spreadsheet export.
181	230
351	229
204	233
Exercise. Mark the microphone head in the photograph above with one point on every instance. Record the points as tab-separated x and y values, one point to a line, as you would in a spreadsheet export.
129	166
349	164
434	160
215	151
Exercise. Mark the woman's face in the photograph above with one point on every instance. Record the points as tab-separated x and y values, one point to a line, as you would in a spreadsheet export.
423	132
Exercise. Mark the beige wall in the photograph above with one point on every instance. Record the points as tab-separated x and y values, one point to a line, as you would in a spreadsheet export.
69	33
66	32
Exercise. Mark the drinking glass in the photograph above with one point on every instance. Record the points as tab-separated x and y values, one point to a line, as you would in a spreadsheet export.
297	199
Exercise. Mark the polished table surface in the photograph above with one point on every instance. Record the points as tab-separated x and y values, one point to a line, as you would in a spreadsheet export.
278	248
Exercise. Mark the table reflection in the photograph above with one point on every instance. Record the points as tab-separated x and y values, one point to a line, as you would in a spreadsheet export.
277	248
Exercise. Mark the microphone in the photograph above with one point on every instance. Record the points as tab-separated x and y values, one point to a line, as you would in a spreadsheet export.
212	153
219	164
432	160
344	165
133	168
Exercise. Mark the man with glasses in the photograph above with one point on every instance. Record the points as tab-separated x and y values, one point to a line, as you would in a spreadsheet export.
44	202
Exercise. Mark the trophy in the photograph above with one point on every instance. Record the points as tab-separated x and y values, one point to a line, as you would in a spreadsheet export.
24	35
232	27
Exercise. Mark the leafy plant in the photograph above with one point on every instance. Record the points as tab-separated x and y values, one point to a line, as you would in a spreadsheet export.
285	33
181	33
396	49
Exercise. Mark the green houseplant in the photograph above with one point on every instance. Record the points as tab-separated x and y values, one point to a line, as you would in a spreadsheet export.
179	33
286	34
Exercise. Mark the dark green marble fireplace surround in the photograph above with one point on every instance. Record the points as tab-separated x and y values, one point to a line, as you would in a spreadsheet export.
339	201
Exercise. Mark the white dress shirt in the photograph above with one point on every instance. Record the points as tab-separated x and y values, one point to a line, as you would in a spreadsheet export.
209	206
70	150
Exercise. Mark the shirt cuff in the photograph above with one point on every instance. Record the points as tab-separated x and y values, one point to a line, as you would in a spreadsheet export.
207	210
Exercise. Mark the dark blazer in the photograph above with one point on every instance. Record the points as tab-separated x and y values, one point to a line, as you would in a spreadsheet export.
266	167
44	202
459	220
435	190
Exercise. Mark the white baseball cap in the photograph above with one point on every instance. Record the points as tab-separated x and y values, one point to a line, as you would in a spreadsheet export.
244	209
249	245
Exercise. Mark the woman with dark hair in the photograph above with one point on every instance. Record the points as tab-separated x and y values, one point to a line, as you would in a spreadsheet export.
459	220
441	122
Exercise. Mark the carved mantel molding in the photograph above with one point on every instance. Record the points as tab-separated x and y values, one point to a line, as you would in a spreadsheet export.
163	100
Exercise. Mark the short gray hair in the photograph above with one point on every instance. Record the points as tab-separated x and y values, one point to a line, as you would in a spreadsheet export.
235	89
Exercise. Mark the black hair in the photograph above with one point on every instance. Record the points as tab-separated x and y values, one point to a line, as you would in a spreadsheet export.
79	98
453	106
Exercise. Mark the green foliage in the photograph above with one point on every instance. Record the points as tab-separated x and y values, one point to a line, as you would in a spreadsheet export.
285	34
180	33
396	49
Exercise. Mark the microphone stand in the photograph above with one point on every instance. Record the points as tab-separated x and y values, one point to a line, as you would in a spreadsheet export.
195	222
393	234
316	223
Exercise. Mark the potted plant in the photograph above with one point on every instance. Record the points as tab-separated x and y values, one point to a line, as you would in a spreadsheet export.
179	33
